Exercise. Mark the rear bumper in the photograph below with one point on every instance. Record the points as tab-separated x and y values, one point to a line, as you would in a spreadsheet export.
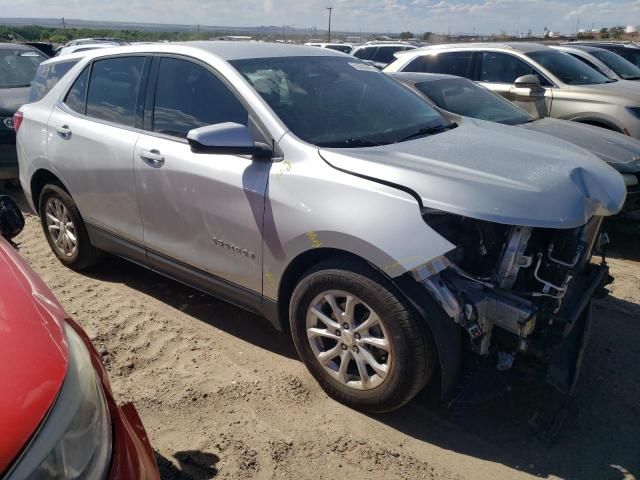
132	457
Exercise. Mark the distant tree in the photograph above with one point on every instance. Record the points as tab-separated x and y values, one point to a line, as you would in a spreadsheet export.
617	31
406	35
426	36
604	33
529	33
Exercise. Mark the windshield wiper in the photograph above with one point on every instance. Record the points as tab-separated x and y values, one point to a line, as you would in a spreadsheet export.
351	143
424	131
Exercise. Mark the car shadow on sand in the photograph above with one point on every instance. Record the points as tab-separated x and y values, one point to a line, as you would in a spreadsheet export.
219	314
192	465
601	435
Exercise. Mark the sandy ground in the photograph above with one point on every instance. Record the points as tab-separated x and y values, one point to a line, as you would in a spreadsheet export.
223	395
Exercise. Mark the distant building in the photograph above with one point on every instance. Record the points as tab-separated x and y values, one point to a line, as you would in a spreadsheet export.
235	38
631	29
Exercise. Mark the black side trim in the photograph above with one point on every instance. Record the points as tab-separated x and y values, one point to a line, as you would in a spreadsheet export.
200	280
205	282
112	243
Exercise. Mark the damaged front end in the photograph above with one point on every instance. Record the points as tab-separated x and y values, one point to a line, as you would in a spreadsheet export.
519	291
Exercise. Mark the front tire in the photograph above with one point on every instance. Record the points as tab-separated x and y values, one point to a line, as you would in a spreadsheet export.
362	344
64	229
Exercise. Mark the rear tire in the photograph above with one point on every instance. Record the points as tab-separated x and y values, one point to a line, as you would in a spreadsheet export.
374	353
65	230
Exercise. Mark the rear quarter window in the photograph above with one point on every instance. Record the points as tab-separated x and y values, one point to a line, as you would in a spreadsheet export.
47	76
77	96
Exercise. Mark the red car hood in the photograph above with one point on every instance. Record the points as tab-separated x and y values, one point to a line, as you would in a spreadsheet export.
33	352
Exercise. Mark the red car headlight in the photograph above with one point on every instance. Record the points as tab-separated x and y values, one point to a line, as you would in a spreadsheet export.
74	441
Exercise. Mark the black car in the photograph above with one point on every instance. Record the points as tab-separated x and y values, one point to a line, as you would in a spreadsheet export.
18	65
47	48
628	51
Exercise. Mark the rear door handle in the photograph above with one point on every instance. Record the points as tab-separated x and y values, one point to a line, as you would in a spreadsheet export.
152	157
64	131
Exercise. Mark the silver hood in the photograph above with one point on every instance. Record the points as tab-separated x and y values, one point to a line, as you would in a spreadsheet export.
620	151
495	173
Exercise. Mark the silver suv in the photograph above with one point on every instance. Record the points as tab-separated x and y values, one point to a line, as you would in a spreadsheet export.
542	81
306	186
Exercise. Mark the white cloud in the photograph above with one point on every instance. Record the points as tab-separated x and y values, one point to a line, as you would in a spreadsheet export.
484	16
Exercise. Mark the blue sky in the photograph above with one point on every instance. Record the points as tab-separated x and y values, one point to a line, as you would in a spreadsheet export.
485	16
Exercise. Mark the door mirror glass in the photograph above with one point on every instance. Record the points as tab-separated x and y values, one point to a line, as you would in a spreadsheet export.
527	81
11	218
226	138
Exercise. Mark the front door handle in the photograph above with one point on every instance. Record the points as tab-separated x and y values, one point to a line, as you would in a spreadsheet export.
64	131
152	157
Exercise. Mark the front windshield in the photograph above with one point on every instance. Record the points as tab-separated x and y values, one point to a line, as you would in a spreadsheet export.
463	97
567	68
338	101
18	67
623	68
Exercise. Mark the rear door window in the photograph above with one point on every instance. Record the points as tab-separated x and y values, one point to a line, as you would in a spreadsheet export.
450	63
113	89
385	54
497	67
46	78
366	53
189	96
77	96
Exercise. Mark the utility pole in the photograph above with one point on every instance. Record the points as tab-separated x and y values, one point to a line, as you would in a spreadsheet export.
330	10
64	26
283	37
198	32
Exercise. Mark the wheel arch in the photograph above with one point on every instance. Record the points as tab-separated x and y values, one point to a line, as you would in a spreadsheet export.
39	179
446	334
600	122
296	269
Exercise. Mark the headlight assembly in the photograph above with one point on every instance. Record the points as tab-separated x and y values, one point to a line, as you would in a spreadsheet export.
74	441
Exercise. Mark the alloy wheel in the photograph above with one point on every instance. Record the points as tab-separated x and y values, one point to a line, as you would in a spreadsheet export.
349	340
61	227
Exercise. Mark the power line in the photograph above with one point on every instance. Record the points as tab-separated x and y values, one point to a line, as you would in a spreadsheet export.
330	10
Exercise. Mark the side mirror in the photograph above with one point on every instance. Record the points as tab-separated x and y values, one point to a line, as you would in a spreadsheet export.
11	218
226	138
527	81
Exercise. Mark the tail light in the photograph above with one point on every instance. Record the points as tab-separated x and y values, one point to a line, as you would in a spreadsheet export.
17	120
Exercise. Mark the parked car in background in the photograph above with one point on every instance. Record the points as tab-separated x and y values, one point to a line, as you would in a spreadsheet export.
464	97
46	48
18	65
339	47
58	417
83	47
628	51
604	61
540	80
380	54
259	172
